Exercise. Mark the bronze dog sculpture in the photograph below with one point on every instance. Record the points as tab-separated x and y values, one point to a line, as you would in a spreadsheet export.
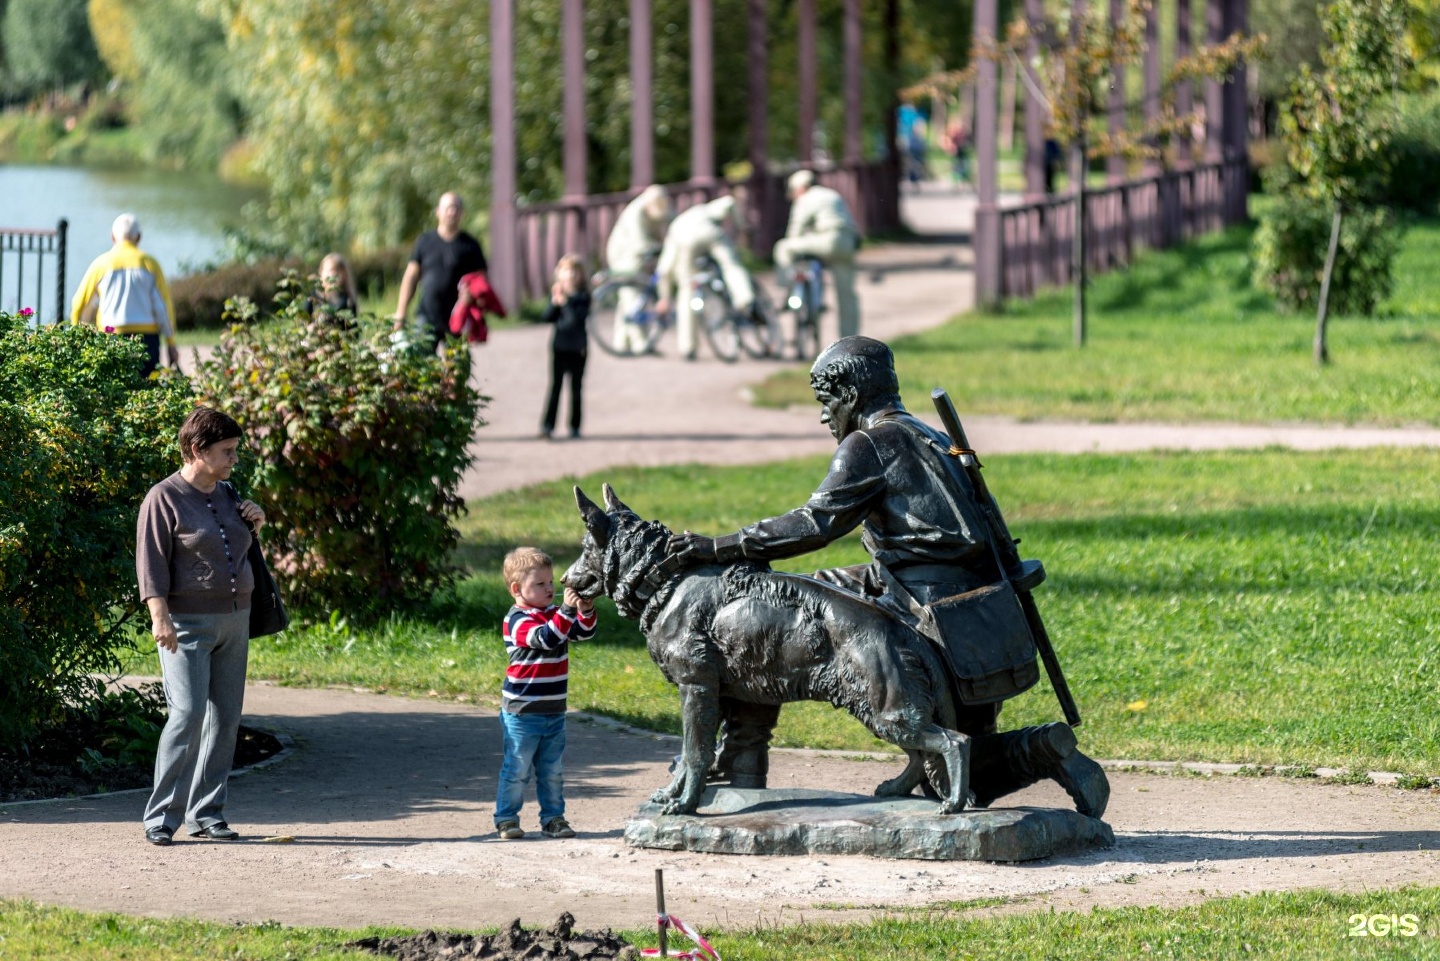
741	631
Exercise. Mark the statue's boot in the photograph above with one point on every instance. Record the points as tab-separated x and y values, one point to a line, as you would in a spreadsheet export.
1007	762
743	755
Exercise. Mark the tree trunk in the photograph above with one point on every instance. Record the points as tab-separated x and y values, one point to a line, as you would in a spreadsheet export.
1321	351
1078	267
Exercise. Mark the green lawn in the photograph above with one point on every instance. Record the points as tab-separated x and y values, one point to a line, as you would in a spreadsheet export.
1182	336
1303	926
1255	607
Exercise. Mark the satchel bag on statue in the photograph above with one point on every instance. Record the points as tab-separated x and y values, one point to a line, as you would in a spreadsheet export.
987	641
982	635
267	612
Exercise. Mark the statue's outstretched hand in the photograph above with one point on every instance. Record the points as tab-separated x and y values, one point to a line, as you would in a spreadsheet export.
691	550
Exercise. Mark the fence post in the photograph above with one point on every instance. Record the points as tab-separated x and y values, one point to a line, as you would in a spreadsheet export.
61	229
1127	224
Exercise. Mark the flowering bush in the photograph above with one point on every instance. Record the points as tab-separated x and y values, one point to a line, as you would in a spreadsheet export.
82	438
358	449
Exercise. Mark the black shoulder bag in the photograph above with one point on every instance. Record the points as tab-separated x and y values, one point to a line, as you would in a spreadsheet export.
267	611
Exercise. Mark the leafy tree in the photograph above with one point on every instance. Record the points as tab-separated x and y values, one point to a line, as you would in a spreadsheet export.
48	43
1081	56
1298	21
181	84
112	24
1338	124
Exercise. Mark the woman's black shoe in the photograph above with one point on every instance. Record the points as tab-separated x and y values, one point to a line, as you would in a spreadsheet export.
219	831
159	836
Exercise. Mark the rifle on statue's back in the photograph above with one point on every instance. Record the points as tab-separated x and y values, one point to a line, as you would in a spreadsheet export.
1023	575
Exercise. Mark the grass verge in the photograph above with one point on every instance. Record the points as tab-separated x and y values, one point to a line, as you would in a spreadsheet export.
1296	926
1263	607
1183	336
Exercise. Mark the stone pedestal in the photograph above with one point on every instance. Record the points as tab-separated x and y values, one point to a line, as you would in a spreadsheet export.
804	821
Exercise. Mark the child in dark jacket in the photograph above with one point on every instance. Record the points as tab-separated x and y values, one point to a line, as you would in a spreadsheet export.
569	310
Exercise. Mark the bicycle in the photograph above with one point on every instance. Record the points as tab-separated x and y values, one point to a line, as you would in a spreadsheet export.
806	300
728	330
637	296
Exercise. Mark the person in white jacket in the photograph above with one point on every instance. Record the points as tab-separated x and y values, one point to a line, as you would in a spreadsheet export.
638	234
822	226
695	233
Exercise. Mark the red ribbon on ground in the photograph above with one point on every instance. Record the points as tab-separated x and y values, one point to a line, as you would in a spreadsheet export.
703	952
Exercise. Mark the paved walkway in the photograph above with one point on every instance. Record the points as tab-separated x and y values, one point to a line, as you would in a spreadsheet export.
384	809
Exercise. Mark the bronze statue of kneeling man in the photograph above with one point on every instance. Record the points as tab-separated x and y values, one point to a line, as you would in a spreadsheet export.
940	556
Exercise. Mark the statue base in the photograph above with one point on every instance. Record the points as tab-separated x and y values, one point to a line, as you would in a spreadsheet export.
790	821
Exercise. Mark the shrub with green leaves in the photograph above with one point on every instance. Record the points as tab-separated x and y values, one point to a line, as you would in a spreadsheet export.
200	298
82	438
358	449
1414	181
1290	248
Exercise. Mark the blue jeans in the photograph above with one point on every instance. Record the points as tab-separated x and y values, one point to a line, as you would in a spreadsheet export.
534	745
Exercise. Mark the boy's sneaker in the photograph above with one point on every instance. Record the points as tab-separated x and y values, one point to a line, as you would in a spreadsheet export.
558	828
509	831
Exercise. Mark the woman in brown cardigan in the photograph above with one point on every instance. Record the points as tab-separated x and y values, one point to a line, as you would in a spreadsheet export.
190	560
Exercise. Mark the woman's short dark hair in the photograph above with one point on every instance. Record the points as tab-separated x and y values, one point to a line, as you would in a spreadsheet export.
205	427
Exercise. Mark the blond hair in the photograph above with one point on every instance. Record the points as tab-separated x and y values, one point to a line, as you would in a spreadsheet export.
337	262
576	261
523	560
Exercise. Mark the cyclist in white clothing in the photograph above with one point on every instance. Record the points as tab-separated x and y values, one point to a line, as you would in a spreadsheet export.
698	232
637	236
822	226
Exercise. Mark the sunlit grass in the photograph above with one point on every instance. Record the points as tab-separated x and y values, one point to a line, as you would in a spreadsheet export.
1183	336
1265	606
1297	926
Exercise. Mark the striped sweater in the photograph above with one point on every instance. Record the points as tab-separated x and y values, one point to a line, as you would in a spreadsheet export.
538	643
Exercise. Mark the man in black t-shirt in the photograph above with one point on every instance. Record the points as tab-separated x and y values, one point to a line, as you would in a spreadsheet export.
441	257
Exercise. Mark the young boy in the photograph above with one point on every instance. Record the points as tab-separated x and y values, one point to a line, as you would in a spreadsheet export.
532	713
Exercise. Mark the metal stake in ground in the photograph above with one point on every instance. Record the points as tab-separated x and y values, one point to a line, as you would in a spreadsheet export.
662	920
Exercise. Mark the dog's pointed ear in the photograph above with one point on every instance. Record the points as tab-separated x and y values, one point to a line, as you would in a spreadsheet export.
596	520
613	503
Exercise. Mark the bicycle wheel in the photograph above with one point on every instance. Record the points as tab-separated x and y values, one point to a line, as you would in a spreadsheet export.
758	331
718	319
637	331
807	328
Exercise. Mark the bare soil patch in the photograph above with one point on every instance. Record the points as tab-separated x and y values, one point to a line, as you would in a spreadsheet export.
559	942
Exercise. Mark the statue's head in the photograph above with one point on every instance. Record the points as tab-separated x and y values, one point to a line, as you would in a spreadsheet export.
851	378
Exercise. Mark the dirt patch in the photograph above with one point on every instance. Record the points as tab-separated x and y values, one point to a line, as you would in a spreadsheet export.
559	942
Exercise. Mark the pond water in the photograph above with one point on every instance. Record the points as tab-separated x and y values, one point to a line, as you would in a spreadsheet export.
182	219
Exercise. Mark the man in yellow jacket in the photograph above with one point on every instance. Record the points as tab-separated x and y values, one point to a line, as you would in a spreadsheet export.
124	292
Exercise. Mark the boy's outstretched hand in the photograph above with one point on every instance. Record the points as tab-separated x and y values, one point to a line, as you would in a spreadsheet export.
582	604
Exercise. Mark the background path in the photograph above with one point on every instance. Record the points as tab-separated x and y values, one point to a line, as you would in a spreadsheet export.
389	803
663	410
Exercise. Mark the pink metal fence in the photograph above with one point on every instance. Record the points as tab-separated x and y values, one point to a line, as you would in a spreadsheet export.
1156	212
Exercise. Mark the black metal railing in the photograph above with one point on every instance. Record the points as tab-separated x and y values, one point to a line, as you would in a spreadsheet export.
23	254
